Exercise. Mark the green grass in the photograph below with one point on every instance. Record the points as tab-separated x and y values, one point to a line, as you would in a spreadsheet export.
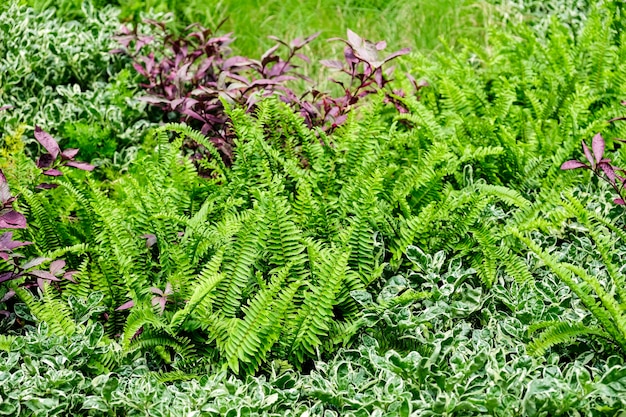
417	24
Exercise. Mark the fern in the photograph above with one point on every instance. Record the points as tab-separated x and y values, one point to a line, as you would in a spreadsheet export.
562	332
600	303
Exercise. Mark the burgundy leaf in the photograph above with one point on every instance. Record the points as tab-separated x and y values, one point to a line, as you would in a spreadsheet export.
619	201
237	61
142	41
52	172
204	67
153	99
46	186
151	239
141	70
368	53
331	63
34	262
5	276
268	56
80	165
608	170
339	120
43	275
588	155
69	153
160	301
279	69
41	283
597	144
10	294
354	40
573	164
57	266
157	291
126	306
45	161
276	39
5	192
47	142
304	58
69	275
193	114
396	54
298	43
378	76
12	220
6	242
240	78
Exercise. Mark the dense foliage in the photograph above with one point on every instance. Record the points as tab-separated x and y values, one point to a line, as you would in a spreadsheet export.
417	246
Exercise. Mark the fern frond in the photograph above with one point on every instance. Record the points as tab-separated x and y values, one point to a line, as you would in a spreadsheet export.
312	320
6	341
562	332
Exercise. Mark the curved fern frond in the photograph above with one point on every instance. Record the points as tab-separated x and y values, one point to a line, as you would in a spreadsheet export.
562	332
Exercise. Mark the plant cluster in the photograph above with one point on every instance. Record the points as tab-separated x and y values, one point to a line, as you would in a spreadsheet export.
367	252
193	75
61	76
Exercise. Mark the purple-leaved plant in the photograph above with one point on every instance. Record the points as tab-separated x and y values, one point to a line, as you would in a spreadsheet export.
188	76
50	162
9	218
196	71
363	66
601	167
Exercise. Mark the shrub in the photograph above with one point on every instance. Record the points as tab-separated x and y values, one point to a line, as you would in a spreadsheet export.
60	75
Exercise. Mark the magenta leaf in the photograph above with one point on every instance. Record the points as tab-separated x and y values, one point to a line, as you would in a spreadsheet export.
619	201
45	161
12	220
160	301
46	186
10	294
126	306
588	155
34	262
6	242
5	192
80	165
396	54
57	266
332	63
43	275
608	171
597	144
69	275
151	239
47	142
68	154
52	172
6	276
237	61
573	164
